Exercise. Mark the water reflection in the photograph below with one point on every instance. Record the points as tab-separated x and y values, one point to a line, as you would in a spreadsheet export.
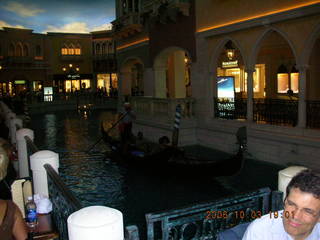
97	181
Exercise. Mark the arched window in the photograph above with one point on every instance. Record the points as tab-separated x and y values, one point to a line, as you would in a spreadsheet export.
103	48
19	50
71	49
98	49
64	50
78	50
25	50
38	51
11	50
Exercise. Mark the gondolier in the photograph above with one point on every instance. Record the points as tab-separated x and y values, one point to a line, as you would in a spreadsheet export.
125	125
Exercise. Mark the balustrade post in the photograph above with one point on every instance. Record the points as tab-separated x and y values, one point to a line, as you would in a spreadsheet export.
302	108
250	94
13	129
285	176
9	116
39	174
96	222
23	151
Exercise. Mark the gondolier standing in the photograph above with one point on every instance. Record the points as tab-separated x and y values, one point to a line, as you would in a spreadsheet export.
125	126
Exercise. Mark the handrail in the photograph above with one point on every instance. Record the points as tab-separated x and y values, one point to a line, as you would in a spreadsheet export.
63	201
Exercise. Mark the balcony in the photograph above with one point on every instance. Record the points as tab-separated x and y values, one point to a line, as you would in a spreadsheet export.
20	59
72	58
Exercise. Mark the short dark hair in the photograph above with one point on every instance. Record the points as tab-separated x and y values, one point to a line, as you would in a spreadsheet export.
307	181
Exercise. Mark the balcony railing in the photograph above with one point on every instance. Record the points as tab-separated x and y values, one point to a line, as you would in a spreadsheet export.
275	111
162	107
313	114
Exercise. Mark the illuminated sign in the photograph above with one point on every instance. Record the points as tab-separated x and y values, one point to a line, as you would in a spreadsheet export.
73	76
20	82
230	64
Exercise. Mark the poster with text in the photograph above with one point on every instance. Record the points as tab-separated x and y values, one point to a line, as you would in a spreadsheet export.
225	87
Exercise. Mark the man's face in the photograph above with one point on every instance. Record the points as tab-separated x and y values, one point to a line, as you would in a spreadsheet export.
301	213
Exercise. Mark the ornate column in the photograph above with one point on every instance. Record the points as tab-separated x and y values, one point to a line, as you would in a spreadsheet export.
302	107
250	72
160	87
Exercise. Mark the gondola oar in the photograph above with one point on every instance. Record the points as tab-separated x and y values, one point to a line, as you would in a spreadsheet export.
115	124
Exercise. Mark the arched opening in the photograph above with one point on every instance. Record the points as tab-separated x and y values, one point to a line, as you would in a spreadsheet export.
103	48
97	49
71	49
25	50
38	51
276	94
19	50
231	82
77	50
132	78
172	74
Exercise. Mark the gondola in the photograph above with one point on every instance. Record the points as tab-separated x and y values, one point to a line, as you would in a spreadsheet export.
176	160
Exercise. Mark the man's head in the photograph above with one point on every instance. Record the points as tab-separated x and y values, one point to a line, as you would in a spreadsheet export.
302	204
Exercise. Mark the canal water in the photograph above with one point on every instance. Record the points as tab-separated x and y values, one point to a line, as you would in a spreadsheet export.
95	180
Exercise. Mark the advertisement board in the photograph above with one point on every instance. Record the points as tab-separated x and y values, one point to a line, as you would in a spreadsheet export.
225	86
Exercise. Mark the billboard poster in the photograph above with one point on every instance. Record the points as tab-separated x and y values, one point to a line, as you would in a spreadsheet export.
225	87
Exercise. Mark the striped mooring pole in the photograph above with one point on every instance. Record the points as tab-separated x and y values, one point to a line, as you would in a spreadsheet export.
175	133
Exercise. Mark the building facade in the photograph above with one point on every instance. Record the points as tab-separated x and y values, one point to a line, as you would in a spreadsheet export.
55	63
248	63
24	61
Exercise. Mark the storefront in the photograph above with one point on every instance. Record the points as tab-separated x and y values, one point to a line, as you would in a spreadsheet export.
107	82
72	82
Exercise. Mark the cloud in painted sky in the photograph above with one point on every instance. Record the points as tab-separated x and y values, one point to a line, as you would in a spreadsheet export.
106	26
23	10
75	27
5	24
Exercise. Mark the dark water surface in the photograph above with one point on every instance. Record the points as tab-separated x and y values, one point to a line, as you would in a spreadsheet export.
97	181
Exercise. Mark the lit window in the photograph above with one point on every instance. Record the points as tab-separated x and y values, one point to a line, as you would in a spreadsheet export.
283	82
294	82
64	51
78	51
70	51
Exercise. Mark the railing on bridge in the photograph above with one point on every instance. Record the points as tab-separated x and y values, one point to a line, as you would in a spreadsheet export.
206	220
163	107
63	201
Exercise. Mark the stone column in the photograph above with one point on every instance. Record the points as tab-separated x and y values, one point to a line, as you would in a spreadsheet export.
160	82
250	72
148	82
302	107
179	75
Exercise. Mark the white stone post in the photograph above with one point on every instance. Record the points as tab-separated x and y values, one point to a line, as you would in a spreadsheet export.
9	116
39	173
13	129
23	151
285	176
96	222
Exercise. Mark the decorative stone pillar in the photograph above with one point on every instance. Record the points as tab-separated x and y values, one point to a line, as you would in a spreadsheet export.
96	222
23	151
302	107
160	82
250	94
39	173
13	129
148	82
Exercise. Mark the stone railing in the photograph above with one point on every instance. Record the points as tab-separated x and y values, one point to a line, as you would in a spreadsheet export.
162	107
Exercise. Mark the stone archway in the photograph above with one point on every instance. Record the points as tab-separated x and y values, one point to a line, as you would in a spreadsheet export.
274	59
131	77
172	73
227	68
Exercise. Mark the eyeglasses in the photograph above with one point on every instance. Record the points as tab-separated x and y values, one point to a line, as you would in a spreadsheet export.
292	208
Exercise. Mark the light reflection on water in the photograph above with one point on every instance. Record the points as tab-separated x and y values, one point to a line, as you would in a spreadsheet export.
98	182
